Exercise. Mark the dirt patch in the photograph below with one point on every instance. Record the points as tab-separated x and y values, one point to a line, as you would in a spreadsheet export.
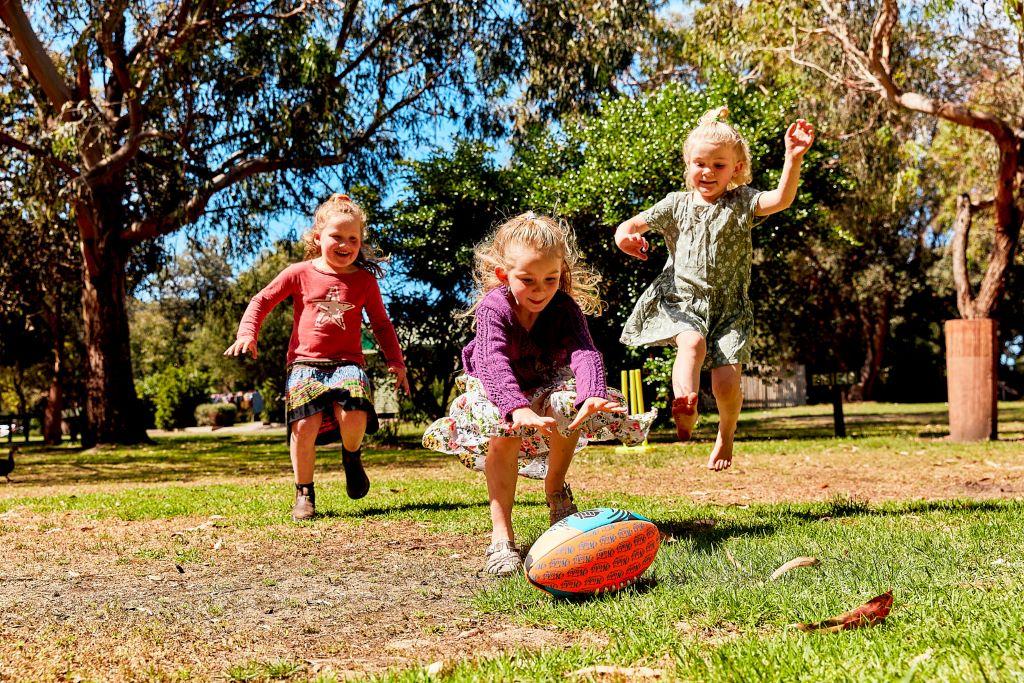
875	475
119	600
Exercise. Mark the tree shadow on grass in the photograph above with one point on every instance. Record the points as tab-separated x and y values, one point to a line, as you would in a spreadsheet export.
707	534
855	508
385	511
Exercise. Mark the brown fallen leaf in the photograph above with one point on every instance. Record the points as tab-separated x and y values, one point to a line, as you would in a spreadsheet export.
734	561
872	612
793	564
618	673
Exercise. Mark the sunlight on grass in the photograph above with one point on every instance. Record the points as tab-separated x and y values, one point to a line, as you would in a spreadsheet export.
706	609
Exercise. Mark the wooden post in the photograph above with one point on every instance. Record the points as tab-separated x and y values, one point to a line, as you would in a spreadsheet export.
971	379
838	419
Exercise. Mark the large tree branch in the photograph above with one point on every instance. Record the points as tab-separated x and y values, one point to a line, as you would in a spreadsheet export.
385	31
33	54
111	42
247	167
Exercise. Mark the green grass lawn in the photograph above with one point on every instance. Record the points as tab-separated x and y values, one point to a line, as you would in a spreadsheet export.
706	611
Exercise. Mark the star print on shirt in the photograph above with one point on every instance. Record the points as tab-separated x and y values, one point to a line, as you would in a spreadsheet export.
332	309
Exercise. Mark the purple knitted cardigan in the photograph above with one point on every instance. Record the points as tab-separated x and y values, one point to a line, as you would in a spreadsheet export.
511	361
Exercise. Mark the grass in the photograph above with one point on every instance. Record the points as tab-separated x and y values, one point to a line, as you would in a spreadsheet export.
955	570
707	610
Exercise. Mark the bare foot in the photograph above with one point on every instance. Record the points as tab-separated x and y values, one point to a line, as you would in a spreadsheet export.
684	412
721	454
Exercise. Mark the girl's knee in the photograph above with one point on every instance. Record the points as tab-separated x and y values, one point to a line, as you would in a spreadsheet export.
350	416
305	425
691	341
503	447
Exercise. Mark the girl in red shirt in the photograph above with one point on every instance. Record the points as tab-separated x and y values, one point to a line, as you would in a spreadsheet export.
328	394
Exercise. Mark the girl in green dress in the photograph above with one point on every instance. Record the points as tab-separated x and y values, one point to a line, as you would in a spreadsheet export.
699	302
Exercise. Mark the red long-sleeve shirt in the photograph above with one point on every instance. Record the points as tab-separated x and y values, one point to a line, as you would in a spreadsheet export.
327	314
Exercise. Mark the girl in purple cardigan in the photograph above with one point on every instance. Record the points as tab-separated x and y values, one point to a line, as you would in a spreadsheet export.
534	388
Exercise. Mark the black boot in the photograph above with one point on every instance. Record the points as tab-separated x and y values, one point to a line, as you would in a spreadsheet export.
356	482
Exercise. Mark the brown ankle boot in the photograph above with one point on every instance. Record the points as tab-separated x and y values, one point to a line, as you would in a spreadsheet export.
305	502
560	505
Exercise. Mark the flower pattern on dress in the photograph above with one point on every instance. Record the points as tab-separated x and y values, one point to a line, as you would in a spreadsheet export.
473	420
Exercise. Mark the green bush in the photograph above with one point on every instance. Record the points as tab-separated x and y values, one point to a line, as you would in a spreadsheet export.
174	393
216	414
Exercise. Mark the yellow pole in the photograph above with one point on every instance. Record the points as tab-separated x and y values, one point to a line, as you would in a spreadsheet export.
625	387
639	391
633	393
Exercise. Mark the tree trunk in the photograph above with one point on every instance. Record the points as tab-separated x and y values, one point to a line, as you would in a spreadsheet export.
971	377
55	398
876	334
112	406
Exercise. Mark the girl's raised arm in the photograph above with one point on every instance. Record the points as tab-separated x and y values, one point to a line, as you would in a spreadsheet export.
799	138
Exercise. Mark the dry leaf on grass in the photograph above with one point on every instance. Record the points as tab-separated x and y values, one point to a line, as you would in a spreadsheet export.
615	673
793	564
734	561
870	613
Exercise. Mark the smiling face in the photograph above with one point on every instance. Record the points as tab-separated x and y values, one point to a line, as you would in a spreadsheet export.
532	276
340	242
710	167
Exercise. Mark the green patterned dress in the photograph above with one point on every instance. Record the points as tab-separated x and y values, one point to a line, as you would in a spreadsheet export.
703	286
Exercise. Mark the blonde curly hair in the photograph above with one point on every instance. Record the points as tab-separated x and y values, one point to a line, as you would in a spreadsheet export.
370	258
546	235
712	127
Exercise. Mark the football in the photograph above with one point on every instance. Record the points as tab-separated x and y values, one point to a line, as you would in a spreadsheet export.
591	552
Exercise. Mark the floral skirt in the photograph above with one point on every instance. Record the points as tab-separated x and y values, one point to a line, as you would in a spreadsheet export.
473	420
315	387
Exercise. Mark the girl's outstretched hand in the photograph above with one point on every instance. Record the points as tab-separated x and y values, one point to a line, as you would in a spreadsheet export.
595	404
633	244
242	346
525	417
401	379
799	138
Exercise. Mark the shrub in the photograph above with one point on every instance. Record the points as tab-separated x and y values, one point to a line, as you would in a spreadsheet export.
216	414
174	393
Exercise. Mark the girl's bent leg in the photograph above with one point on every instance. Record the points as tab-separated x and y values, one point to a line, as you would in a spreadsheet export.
557	492
353	427
686	381
725	383
352	424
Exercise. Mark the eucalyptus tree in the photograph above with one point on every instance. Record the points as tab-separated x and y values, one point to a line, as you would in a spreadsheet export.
154	116
39	282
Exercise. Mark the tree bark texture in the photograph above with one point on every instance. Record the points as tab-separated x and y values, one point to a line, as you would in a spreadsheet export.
971	377
112	406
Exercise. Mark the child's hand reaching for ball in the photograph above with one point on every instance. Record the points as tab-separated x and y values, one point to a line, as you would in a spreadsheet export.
592	405
525	417
242	346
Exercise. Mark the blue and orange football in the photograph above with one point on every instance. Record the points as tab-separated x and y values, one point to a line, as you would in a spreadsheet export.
591	552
